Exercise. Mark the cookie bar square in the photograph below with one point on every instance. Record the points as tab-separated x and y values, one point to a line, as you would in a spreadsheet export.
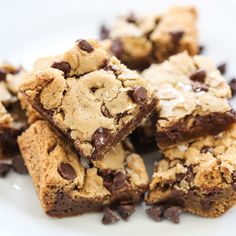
139	41
12	118
91	98
193	99
68	185
199	176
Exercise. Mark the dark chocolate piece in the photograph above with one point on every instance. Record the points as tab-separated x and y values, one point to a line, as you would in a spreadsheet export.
109	217
63	66
222	68
4	169
104	32
126	210
85	46
66	171
173	213
198	75
156	213
18	165
232	85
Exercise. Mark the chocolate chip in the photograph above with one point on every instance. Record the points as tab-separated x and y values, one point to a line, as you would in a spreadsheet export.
176	37
234	176
156	213
138	95
85	46
198	75
66	171
4	169
199	87
201	49
222	68
117	48
3	75
206	204
119	181
105	112
232	85
104	32
109	216
18	165
63	66
100	137
125	211
173	213
205	149
131	18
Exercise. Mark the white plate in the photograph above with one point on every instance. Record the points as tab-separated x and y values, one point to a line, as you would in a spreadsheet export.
29	29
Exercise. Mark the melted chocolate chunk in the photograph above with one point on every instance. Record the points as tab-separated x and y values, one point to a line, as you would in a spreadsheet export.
18	165
232	85
138	95
100	137
4	169
173	213
104	32
176	37
105	112
63	66
222	68
109	216
199	87
3	75
117	48
85	46
198	75
156	213
66	171
126	210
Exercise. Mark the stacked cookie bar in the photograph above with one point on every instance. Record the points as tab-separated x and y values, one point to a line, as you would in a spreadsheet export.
195	131
78	158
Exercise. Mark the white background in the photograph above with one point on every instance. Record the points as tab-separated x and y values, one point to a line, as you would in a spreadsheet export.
30	29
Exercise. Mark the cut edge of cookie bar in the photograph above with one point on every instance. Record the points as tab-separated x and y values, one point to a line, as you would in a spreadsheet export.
193	99
198	176
130	98
66	186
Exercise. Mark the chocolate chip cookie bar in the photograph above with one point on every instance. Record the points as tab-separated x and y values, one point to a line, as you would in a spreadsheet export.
93	99
12	118
69	185
193	98
140	41
199	176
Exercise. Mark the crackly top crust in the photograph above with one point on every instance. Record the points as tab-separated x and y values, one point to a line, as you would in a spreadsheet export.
175	89
44	151
87	97
207	163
